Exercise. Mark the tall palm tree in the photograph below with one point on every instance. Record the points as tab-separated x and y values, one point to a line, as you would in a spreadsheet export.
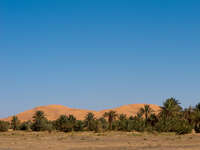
89	120
39	115
111	115
171	108
39	121
15	122
146	111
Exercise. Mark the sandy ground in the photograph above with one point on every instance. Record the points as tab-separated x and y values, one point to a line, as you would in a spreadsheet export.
97	141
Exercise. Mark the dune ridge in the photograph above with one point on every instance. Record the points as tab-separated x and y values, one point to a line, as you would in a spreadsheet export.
52	112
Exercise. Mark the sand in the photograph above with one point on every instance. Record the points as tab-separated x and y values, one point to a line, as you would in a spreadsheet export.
97	141
52	112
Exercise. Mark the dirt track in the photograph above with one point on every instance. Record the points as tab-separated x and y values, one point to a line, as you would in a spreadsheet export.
97	141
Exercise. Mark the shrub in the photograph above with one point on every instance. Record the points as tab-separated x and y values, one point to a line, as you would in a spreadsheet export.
26	126
126	125
49	126
162	126
39	125
114	125
138	124
131	118
167	125
183	127
4	126
122	125
174	125
79	125
149	129
97	126
129	125
197	128
104	123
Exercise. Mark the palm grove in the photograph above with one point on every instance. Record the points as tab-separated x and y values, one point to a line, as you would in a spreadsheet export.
171	118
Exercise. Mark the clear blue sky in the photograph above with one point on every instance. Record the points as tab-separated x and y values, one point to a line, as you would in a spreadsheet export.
98	54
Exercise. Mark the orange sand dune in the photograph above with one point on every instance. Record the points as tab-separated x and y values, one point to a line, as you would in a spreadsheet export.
129	110
52	112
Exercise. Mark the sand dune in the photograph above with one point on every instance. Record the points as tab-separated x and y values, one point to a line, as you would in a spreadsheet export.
52	112
130	110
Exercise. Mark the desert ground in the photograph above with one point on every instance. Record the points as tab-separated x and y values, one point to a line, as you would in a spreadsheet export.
97	141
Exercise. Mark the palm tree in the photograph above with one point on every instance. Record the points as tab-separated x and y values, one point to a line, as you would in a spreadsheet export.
197	117
146	111
171	108
139	115
62	123
89	120
103	123
79	125
122	117
197	107
39	121
39	115
153	119
15	123
72	119
111	115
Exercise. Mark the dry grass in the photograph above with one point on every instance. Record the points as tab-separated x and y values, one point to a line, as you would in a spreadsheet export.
97	141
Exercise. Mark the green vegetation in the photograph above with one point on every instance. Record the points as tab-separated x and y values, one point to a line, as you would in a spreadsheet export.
111	115
4	126
89	121
147	112
67	123
15	123
171	118
26	126
40	122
